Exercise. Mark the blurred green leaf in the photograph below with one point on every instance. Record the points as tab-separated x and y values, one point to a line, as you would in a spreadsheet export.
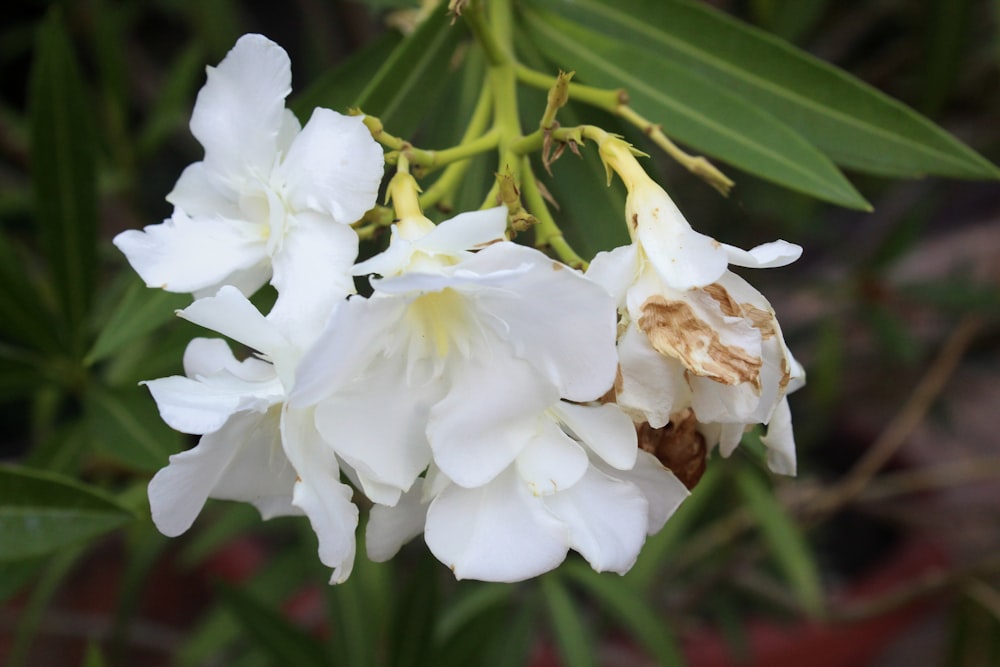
340	86
16	574
94	657
63	172
975	627
140	311
476	599
265	626
411	637
30	616
23	316
695	110
19	372
946	30
409	82
784	539
571	633
172	108
855	124
629	611
655	554
42	513
125	423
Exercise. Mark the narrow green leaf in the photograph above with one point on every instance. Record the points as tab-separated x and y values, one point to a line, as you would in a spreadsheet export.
63	175
571	633
784	539
126	424
265	627
698	111
620	602
141	311
410	81
853	123
19	372
41	513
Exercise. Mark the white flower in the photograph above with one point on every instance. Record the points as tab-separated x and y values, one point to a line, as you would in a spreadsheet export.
268	198
463	350
253	448
578	483
694	334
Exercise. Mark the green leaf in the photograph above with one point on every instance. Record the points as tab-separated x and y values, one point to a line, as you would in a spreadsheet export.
23	316
630	612
784	540
42	513
340	86
410	81
655	554
572	635
696	110
268	629
141	311
411	636
172	108
63	173
126	424
853	123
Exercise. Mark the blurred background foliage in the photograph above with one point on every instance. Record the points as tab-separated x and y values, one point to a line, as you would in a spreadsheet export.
893	313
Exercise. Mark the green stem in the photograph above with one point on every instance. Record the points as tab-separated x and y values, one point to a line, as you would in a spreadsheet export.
445	186
602	98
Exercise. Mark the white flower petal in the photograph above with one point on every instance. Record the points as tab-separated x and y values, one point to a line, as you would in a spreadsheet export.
241	109
551	461
607	520
780	440
493	409
562	323
389	528
241	461
333	166
377	425
682	257
605	429
185	255
199	196
466	231
320	493
231	314
764	256
312	273
199	407
209	356
346	347
616	270
651	387
496	532
660	487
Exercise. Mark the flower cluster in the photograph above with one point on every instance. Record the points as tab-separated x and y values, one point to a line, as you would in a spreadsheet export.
469	396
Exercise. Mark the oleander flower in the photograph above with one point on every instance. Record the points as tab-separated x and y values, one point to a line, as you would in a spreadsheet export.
579	482
463	349
694	334
253	448
270	200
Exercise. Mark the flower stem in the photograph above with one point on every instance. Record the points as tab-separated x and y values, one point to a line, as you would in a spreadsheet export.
696	164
